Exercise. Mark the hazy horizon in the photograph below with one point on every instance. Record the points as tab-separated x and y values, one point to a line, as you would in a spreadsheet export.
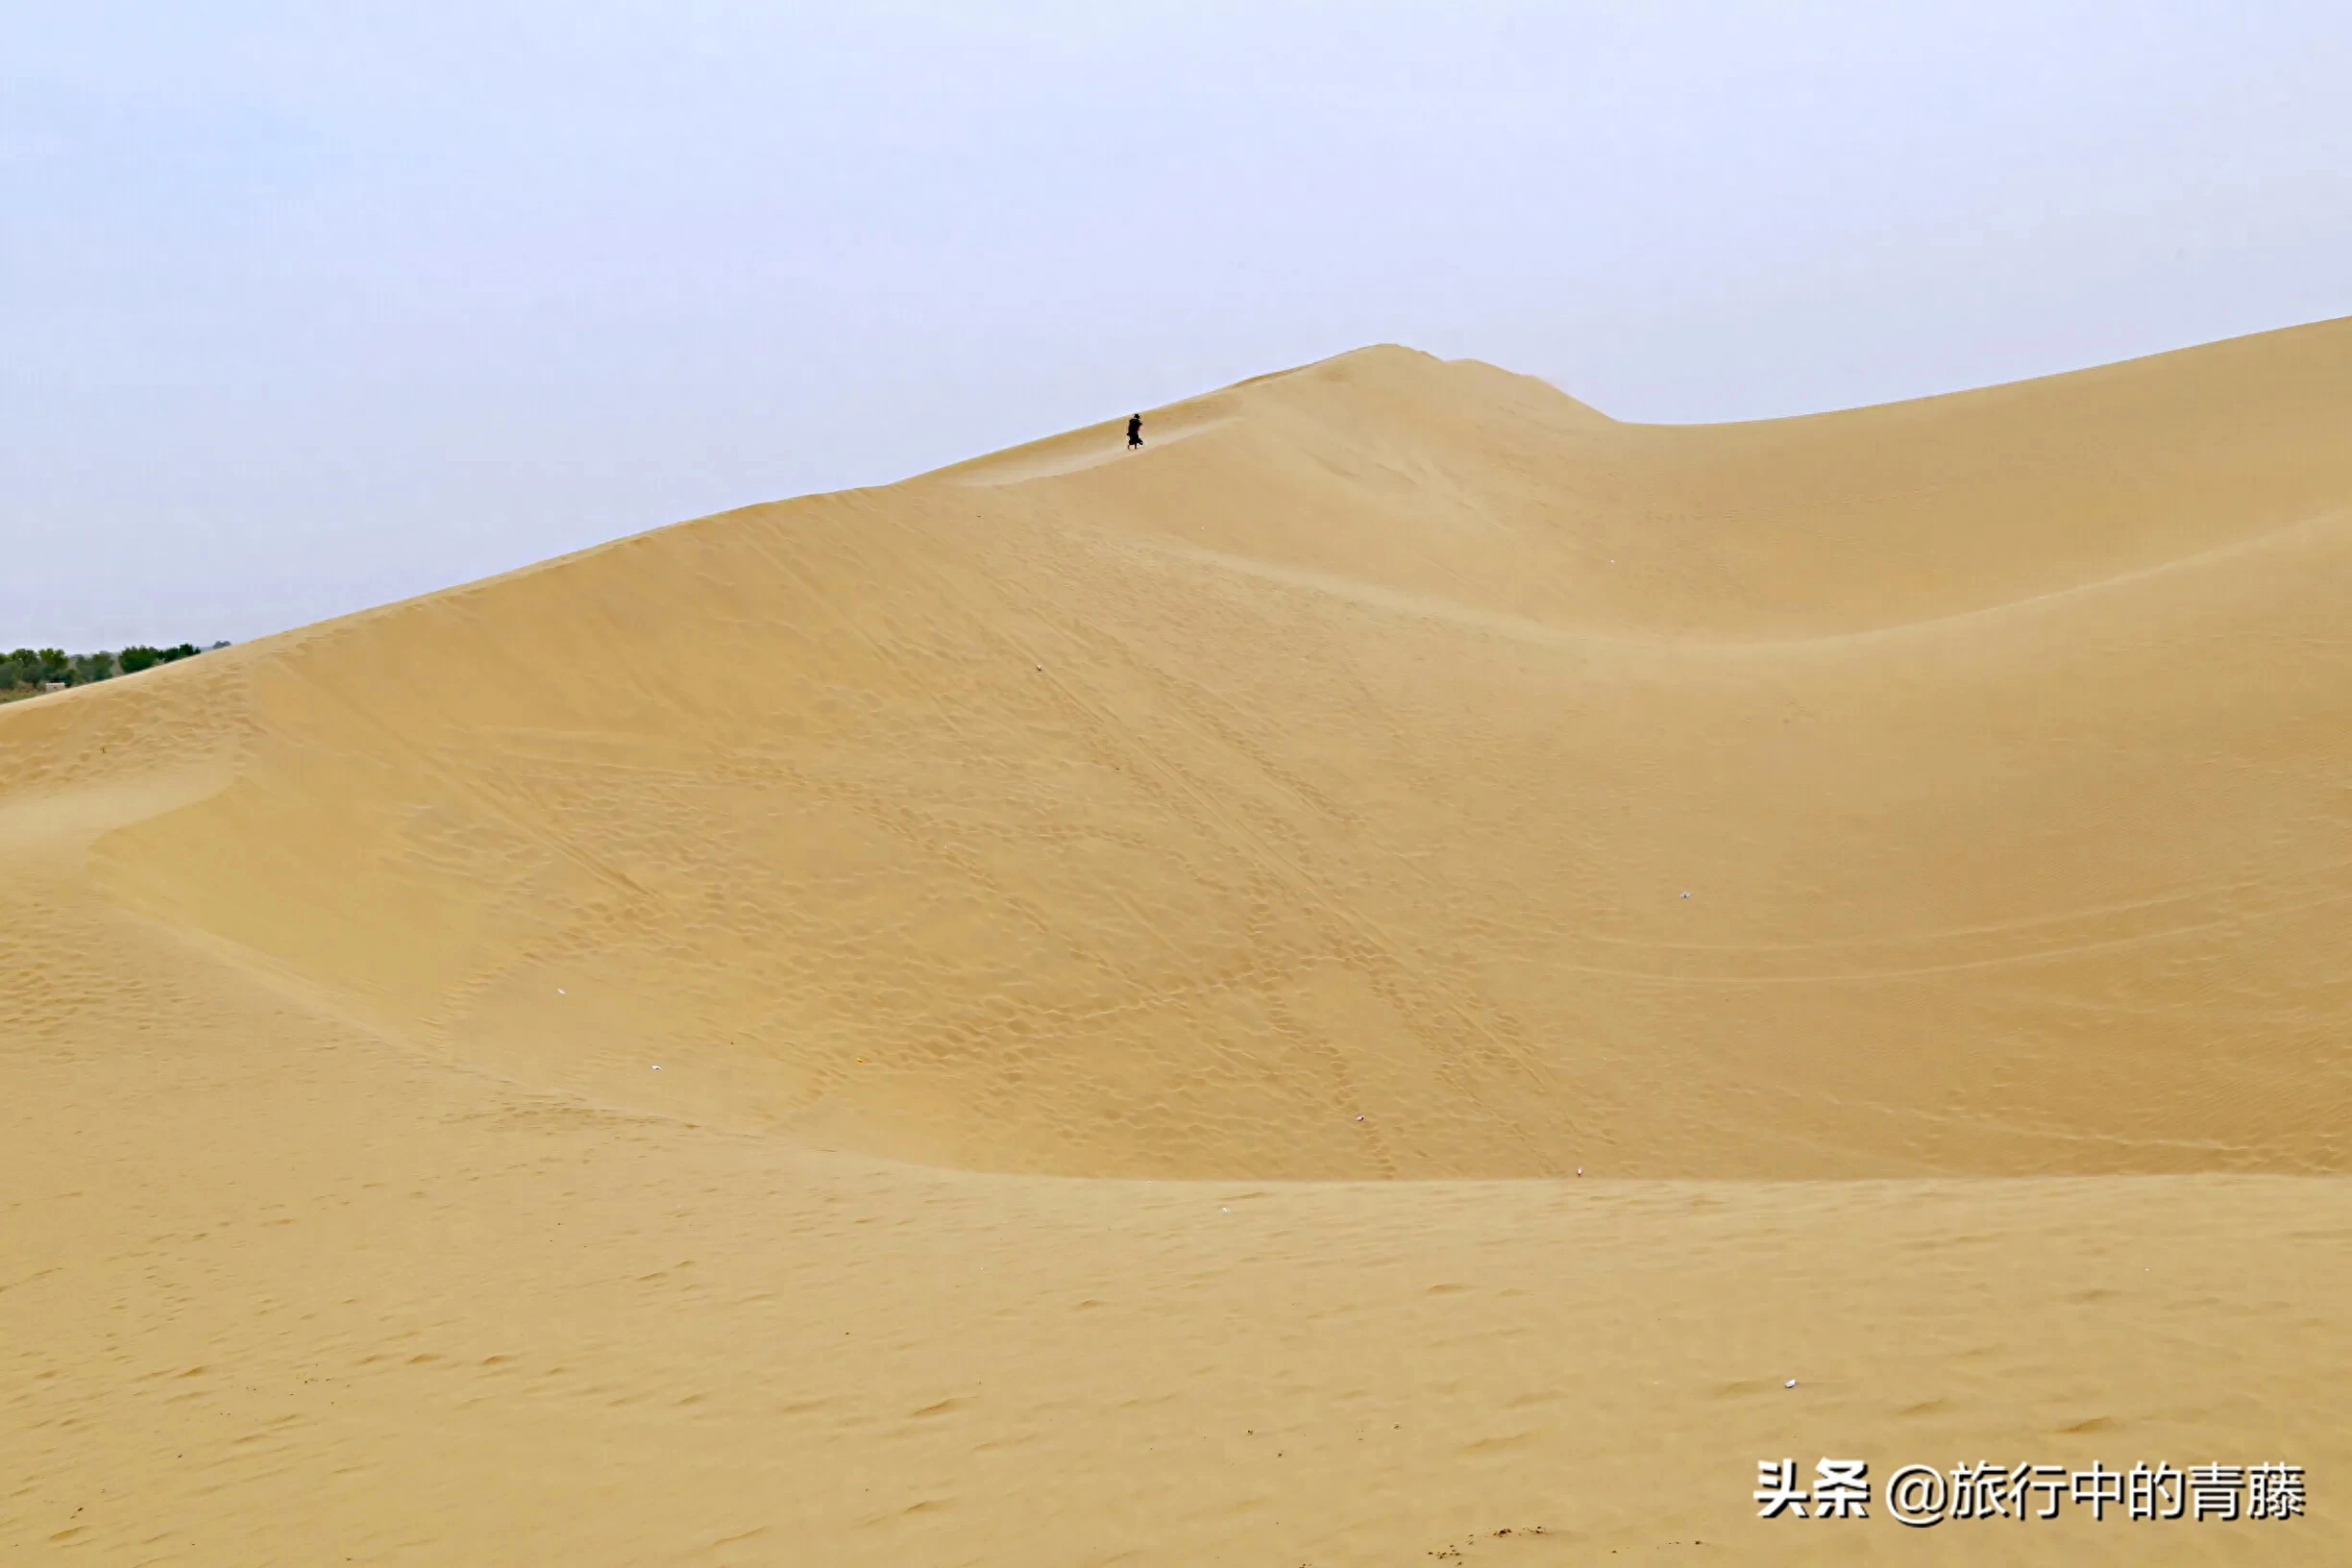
306	314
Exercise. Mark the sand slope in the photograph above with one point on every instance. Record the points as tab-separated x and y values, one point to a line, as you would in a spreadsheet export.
1313	797
1349	755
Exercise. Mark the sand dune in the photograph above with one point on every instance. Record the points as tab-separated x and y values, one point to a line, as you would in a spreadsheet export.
1351	757
542	1019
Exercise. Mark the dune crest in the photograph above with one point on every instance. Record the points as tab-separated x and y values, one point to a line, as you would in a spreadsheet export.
1395	770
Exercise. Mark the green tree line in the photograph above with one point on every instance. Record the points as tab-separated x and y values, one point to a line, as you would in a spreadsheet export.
30	670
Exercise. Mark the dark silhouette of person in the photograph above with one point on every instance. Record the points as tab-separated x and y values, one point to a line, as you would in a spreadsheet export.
1135	431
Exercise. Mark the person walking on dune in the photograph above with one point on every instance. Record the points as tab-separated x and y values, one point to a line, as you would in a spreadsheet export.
1135	431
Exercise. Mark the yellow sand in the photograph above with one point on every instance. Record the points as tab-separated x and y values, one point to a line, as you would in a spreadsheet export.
1136	950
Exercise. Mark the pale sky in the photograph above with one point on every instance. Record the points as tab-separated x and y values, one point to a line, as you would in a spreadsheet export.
305	308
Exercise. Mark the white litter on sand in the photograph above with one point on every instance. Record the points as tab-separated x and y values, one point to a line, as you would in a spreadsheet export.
1791	1383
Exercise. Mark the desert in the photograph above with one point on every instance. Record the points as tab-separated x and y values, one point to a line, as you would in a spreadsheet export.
1410	971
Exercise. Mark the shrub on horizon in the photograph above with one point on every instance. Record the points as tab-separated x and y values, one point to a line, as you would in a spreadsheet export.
28	667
